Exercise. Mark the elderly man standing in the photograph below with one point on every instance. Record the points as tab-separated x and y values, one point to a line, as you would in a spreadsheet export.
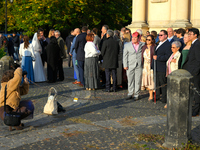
171	38
132	62
162	54
110	51
61	44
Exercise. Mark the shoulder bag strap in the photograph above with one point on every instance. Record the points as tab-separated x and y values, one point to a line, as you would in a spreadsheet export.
5	98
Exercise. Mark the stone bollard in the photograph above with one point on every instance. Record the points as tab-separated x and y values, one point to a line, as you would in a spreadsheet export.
179	109
5	64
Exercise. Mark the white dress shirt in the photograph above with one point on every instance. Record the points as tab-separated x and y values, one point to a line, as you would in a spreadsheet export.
160	44
194	41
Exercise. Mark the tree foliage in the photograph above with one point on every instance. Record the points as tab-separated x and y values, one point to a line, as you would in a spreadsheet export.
29	15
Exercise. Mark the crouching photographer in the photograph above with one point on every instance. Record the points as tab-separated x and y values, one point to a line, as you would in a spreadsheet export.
11	92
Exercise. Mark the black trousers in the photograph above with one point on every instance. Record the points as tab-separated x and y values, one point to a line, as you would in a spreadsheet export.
114	76
60	69
196	103
161	79
69	61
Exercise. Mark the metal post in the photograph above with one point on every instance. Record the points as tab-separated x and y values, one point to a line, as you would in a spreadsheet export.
154	76
6	17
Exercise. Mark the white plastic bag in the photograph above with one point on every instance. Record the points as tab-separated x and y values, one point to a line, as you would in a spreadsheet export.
51	106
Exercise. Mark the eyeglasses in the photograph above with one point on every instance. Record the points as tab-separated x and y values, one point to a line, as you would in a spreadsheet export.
173	47
160	34
148	39
190	34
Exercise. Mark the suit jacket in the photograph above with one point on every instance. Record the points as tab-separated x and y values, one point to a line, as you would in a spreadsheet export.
101	44
79	46
68	42
174	66
174	39
16	40
61	44
192	62
163	53
110	51
131	59
182	44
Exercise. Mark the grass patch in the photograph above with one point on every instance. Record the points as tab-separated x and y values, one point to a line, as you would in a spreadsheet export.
75	133
189	146
150	137
128	122
79	120
131	146
91	146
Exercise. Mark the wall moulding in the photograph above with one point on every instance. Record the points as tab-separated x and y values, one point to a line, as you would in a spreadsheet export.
159	1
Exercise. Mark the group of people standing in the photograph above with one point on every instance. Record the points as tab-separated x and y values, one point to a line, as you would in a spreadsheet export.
41	50
141	56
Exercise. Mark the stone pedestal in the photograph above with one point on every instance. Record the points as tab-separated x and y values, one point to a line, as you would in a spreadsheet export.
179	109
5	64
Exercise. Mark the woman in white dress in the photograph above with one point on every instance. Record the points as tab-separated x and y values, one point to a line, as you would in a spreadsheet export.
38	68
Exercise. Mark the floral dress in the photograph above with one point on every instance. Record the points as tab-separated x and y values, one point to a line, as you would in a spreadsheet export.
147	72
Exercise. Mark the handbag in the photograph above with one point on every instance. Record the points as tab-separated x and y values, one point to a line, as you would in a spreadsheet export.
50	107
11	118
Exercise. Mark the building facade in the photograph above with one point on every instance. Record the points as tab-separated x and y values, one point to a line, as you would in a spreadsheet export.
162	14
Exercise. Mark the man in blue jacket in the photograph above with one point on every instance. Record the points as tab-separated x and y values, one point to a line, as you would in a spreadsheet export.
162	54
80	53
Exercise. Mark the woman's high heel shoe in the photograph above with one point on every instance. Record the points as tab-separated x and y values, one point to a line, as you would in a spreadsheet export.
18	127
10	128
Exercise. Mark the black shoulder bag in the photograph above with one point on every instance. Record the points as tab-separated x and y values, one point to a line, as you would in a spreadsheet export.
11	118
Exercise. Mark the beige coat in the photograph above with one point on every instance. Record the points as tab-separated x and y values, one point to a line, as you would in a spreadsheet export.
14	90
174	66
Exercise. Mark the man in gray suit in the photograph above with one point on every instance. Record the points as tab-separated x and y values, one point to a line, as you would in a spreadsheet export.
132	62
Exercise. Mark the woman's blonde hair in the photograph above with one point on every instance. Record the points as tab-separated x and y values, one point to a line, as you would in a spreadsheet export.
143	38
189	42
127	37
50	32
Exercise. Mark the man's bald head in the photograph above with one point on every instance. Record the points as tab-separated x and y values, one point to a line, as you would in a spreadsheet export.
170	32
77	31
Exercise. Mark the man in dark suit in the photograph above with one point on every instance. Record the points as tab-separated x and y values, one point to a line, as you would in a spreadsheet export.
192	64
16	46
162	54
80	53
68	41
103	33
110	51
103	38
43	43
171	37
180	34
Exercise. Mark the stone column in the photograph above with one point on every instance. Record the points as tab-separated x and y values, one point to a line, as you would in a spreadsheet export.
182	14
138	15
179	109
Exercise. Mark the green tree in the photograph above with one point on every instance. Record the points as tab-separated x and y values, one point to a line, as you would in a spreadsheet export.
29	15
